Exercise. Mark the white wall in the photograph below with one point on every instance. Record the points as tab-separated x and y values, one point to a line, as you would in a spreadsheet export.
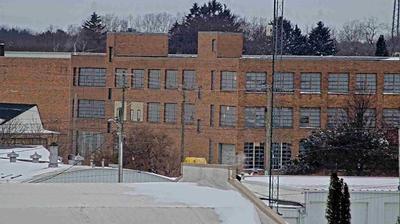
367	207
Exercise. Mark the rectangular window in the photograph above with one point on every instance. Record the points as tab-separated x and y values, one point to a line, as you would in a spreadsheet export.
391	117
228	81
110	54
118	110
283	82
281	155
282	117
310	117
370	118
89	142
310	83
95	77
91	108
212	110
391	83
137	111
138	79
170	112
213	81
189	80
366	83
121	77
227	116
336	117
254	117
190	113
338	83
171	81
256	82
254	156
153	112
154	79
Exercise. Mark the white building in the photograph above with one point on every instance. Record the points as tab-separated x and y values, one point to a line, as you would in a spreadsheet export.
303	198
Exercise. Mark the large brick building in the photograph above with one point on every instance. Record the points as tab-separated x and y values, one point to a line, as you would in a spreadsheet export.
225	94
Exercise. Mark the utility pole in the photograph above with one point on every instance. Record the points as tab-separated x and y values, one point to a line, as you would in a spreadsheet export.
183	124
270	103
121	134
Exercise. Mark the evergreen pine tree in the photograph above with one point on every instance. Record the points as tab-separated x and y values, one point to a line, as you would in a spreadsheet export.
333	210
345	216
297	44
212	16
320	41
94	24
381	49
93	33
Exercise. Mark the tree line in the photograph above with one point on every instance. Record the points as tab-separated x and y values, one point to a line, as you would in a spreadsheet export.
360	38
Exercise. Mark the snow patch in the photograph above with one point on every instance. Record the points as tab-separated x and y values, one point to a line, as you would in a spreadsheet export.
230	206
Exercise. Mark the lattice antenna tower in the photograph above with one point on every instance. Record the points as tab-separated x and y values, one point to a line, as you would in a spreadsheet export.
396	19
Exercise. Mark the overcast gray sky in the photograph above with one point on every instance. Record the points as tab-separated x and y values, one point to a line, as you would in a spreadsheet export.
39	14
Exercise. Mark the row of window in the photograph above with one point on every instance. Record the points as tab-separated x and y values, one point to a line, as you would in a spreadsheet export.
254	116
255	81
154	79
254	155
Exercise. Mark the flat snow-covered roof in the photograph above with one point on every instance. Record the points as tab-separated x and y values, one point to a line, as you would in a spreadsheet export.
32	54
311	183
169	203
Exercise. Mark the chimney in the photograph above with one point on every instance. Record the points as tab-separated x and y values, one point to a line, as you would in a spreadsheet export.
13	156
92	163
2	49
53	159
35	157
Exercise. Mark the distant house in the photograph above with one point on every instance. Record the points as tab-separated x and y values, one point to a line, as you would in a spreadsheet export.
20	124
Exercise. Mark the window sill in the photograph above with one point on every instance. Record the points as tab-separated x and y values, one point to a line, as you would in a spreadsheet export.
228	91
289	93
282	127
89	118
255	92
256	128
226	127
310	127
170	122
391	93
334	93
360	93
311	93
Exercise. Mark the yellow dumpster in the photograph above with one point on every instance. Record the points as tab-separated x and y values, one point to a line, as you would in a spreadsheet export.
195	160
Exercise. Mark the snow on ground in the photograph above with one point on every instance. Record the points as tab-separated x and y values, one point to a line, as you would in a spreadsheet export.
322	182
26	151
230	206
21	171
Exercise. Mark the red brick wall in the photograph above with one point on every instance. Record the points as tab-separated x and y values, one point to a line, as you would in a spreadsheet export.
136	44
44	82
38	82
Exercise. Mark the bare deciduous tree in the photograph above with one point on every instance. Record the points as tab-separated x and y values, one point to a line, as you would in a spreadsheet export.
154	22
148	150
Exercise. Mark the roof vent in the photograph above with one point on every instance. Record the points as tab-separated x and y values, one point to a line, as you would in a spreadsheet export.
53	160
13	156
78	160
35	157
